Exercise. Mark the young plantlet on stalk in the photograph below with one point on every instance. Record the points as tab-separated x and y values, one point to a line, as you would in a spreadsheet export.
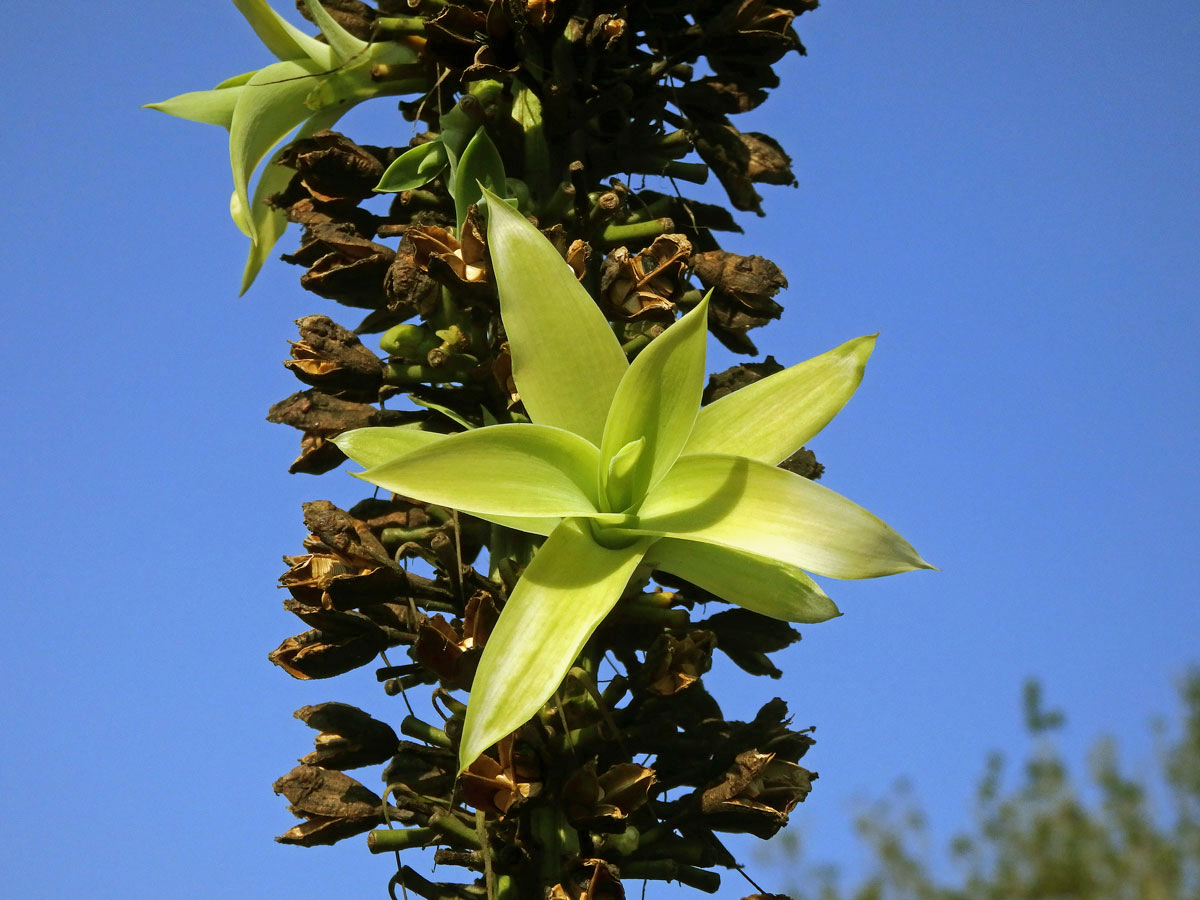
313	85
621	466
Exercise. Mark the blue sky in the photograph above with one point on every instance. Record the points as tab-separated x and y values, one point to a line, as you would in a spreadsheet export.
1008	193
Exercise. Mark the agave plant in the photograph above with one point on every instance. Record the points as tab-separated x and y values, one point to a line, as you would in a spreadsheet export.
619	466
312	85
615	468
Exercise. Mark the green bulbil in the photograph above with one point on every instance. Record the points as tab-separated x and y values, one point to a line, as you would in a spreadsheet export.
312	85
621	466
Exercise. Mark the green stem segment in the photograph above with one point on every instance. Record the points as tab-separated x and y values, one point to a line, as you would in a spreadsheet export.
423	731
669	870
399	26
385	840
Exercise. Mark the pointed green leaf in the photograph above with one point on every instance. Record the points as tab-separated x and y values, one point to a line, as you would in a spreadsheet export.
345	46
504	470
236	80
414	168
262	221
771	419
566	361
559	601
445	411
213	107
760	584
618	476
282	38
271	105
748	505
480	164
657	401
527	111
371	447
458	126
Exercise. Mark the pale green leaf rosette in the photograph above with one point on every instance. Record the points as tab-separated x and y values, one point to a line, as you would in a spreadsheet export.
312	84
623	467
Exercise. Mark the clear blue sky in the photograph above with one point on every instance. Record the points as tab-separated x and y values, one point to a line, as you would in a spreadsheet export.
1008	192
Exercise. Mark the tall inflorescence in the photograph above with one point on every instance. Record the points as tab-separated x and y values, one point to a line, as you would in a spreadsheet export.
594	115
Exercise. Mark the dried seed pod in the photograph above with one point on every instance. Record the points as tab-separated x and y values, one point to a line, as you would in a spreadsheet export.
749	280
720	97
343	266
331	358
755	795
603	802
422	769
349	538
754	29
441	649
447	259
320	417
334	805
736	377
746	637
768	163
498	786
646	283
729	322
674	663
355	16
325	652
332	169
349	737
804	462
408	288
720	145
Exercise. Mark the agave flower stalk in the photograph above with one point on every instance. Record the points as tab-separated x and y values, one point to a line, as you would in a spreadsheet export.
312	85
621	466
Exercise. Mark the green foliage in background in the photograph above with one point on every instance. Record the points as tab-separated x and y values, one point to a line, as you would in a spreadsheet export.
1049	837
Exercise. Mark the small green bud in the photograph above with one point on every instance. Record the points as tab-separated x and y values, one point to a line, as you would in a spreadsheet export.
621	844
407	341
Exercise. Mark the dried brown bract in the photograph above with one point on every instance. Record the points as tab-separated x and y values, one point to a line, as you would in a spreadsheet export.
342	265
604	802
332	169
647	283
349	738
335	806
756	794
674	663
449	260
497	785
332	358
